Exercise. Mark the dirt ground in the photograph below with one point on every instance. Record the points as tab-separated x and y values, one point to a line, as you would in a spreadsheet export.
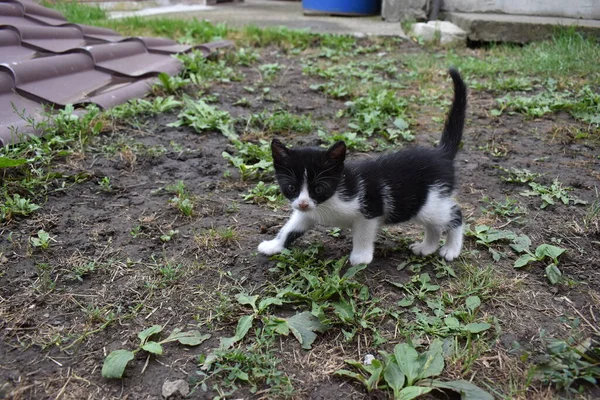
57	329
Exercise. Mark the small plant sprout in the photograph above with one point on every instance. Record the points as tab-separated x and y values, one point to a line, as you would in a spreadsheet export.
117	360
408	374
182	199
105	185
16	205
522	244
41	240
168	236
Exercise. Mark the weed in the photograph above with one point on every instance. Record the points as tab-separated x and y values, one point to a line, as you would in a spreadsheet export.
203	117
202	71
352	139
510	208
16	205
182	199
571	362
253	160
515	175
44	282
169	235
408	374
522	244
137	107
211	238
488	236
372	113
105	184
268	71
170	84
549	194
264	193
81	270
116	362
281	122
41	240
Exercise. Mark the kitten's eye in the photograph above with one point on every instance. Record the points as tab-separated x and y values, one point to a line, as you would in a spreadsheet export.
319	190
291	188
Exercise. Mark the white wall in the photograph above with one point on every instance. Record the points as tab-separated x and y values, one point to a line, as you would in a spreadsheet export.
589	9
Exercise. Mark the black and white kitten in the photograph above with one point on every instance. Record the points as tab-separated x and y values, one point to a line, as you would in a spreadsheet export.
415	184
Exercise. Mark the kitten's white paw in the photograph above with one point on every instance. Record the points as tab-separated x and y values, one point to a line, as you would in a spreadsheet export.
423	249
361	257
270	247
450	253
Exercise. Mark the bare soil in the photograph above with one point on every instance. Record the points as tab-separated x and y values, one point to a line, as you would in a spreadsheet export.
52	347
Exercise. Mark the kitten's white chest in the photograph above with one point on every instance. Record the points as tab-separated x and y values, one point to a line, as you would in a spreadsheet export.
337	212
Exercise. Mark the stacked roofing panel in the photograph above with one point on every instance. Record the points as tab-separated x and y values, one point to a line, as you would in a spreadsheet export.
46	61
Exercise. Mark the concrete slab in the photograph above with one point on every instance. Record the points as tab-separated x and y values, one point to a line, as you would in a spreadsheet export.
516	28
263	13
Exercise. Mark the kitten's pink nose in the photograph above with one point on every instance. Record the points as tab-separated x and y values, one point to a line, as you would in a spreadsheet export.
303	205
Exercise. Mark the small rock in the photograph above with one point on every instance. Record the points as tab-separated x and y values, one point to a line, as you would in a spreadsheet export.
178	387
449	33
368	359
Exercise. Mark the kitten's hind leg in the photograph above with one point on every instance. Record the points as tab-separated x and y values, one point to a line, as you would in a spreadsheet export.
454	241
364	232
297	225
430	243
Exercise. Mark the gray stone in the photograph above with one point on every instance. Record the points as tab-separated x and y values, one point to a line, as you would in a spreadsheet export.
399	10
175	388
516	28
446	31
541	8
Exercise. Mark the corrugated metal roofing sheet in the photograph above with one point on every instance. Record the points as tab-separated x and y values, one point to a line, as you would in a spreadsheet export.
45	60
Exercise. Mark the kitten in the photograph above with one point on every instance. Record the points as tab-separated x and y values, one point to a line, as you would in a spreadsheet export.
415	184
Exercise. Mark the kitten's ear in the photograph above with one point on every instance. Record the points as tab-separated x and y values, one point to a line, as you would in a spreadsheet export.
279	151
337	152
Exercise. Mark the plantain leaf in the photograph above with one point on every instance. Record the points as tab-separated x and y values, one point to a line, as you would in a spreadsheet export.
115	363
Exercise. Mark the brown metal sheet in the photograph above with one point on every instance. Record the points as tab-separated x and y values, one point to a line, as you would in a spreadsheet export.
11	10
132	59
61	80
96	33
52	39
42	14
162	45
12	110
119	94
10	47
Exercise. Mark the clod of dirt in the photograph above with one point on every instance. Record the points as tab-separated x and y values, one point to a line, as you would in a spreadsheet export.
175	388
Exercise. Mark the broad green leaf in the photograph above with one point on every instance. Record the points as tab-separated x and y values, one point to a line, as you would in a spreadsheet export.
115	363
394	377
553	273
406	357
547	250
400	124
303	326
353	375
375	369
189	338
524	260
521	244
472	302
406	302
243	326
278	325
352	271
344	311
6	162
146	333
451	322
467	390
431	362
244	299
153	347
412	392
264	303
477	327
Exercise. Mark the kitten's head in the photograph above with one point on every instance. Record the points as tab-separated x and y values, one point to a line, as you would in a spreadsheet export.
308	176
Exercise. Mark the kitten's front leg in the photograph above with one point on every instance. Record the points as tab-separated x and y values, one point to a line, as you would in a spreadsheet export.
298	224
364	232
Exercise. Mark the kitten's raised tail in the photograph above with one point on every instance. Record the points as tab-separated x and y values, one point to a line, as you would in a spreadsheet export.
455	121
